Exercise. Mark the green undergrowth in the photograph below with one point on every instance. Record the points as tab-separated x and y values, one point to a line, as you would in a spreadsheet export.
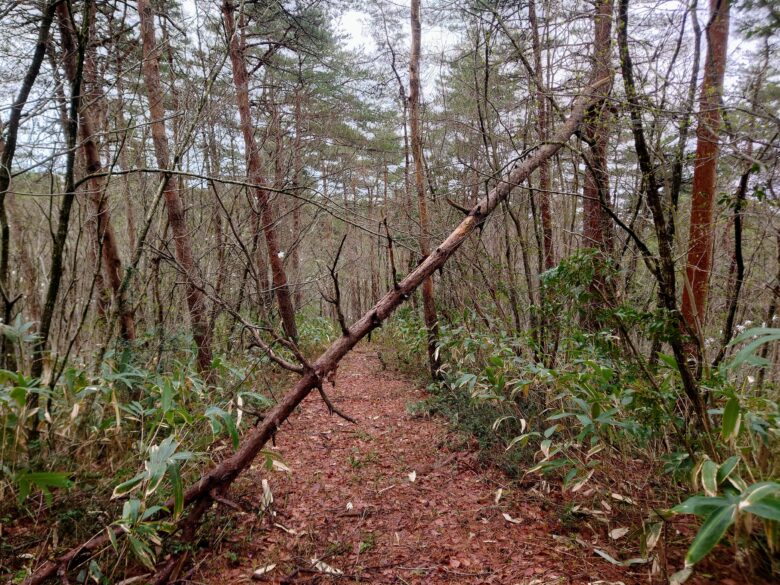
580	404
110	444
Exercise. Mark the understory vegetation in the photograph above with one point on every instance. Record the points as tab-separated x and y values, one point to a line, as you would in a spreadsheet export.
118	443
594	410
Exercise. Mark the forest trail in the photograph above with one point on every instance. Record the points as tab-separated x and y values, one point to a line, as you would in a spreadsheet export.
387	501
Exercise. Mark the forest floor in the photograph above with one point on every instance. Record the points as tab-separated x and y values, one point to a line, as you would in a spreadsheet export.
396	499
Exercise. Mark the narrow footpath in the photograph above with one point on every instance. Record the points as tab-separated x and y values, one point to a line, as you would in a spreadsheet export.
394	499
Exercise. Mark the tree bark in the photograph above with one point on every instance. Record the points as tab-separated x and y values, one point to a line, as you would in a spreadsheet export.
96	187
700	239
543	131
196	300
295	252
429	301
663	269
76	57
256	176
8	147
597	225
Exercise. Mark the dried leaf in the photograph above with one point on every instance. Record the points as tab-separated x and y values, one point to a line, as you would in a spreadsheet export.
621	498
268	497
680	577
508	518
325	568
617	533
279	466
627	563
263	570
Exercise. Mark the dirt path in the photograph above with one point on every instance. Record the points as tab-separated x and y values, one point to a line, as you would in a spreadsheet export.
387	502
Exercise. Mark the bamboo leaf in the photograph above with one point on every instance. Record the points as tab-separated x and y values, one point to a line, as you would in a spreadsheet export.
731	419
710	533
709	477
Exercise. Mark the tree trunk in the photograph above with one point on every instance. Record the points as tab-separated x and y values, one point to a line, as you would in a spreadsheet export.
429	301
8	147
696	289
597	225
96	187
543	131
196	300
663	270
255	172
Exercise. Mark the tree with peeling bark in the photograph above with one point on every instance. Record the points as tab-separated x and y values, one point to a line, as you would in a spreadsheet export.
700	238
255	172
597	229
196	300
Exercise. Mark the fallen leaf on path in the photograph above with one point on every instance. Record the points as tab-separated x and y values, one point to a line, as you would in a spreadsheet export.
508	518
627	563
325	568
618	533
287	530
621	498
268	497
279	466
263	570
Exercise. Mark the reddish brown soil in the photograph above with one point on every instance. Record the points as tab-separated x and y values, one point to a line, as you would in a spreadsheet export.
349	501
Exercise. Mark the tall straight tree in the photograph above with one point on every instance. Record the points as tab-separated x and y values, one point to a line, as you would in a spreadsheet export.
700	238
597	225
255	172
543	131
196	301
112	264
429	301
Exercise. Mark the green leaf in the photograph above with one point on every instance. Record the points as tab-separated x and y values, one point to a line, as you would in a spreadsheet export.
700	505
128	486
217	416
745	355
142	552
43	480
112	538
768	508
131	510
710	533
18	395
726	468
178	490
521	440
759	491
709	474
731	419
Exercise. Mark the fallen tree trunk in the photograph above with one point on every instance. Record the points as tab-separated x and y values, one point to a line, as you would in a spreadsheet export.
219	478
